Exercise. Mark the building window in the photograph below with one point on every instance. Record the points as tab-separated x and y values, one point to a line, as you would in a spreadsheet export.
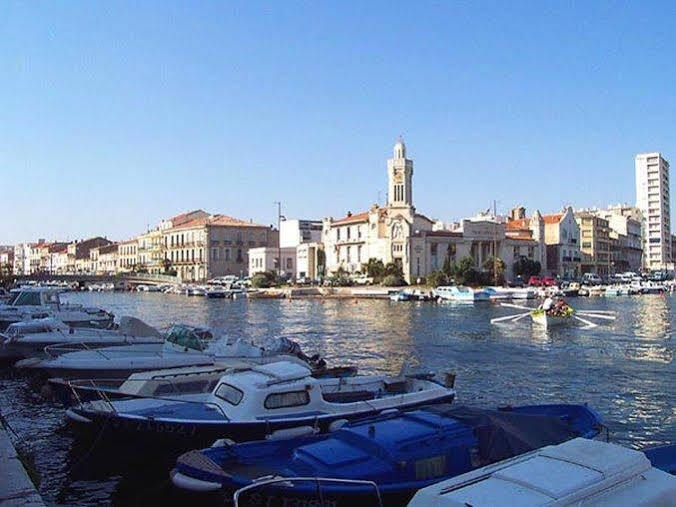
338	234
227	254
359	253
348	232
289	263
239	254
433	249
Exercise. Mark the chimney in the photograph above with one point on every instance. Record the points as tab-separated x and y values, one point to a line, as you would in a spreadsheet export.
349	214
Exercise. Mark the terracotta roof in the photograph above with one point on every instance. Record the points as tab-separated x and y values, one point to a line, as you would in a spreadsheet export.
112	248
520	234
552	219
519	224
187	217
354	218
217	220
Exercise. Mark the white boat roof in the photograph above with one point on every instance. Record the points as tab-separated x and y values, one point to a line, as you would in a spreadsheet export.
577	472
261	376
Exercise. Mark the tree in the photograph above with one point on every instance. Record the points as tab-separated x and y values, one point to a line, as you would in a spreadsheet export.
374	268
497	277
526	268
393	269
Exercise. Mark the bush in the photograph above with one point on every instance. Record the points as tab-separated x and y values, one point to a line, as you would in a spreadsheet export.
393	281
437	279
263	280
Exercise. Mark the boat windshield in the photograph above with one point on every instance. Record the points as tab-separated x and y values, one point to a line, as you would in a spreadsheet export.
184	337
23	328
25	299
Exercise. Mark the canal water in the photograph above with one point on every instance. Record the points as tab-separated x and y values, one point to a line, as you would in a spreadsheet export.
624	369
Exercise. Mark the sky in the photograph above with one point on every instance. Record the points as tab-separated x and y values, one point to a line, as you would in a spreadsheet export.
114	115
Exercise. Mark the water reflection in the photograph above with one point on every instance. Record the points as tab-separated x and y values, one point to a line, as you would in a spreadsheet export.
624	369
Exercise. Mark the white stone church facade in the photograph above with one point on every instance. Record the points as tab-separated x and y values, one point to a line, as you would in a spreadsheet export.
397	233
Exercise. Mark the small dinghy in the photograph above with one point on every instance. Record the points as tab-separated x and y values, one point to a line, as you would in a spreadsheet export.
29	338
574	473
395	454
251	402
183	346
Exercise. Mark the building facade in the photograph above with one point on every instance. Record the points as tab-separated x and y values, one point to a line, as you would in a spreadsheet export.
562	240
127	256
652	198
151	252
625	223
594	243
212	246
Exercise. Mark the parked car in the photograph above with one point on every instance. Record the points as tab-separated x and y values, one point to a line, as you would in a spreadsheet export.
591	279
517	282
535	281
548	281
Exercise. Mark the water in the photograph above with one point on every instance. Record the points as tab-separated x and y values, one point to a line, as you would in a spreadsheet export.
624	369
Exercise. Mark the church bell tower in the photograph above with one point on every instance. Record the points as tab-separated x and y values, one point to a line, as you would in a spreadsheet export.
400	178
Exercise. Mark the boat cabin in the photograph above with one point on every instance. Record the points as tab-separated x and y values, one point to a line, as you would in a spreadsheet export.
279	389
34	296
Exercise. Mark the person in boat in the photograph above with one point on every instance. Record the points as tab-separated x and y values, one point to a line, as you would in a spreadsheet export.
547	304
560	308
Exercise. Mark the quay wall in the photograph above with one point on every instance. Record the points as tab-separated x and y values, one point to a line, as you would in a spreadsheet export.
16	488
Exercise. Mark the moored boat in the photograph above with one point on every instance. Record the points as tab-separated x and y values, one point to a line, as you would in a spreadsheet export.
249	403
41	302
574	473
397	452
461	293
30	338
183	346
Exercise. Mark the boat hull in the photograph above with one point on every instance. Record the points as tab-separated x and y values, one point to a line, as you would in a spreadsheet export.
188	434
548	321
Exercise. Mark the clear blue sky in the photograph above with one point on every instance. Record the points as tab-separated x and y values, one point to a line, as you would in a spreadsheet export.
116	114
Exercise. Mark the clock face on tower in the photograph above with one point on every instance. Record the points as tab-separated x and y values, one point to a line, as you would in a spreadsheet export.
398	176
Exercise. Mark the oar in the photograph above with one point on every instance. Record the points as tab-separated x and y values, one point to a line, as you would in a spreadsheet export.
596	316
511	305
606	312
589	325
519	317
509	317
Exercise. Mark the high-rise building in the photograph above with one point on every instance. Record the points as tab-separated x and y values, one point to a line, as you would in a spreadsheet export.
652	198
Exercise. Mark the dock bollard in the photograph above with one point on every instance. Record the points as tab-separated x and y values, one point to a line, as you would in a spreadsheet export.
450	379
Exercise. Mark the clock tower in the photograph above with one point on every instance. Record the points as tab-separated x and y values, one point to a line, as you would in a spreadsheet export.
400	176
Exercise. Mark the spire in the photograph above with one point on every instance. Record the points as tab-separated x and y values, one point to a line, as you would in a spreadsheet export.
400	148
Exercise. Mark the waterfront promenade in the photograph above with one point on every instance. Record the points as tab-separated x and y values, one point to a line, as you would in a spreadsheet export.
16	488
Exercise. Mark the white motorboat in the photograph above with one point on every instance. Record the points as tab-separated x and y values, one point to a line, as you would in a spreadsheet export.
251	402
461	293
575	473
503	293
29	338
183	346
40	302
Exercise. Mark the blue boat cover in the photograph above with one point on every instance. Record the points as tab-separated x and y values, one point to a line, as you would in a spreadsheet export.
506	433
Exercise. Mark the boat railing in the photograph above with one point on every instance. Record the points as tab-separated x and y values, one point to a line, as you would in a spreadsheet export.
103	395
317	480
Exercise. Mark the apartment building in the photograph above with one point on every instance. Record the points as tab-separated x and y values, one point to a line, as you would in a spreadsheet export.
594	243
652	198
213	245
562	239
